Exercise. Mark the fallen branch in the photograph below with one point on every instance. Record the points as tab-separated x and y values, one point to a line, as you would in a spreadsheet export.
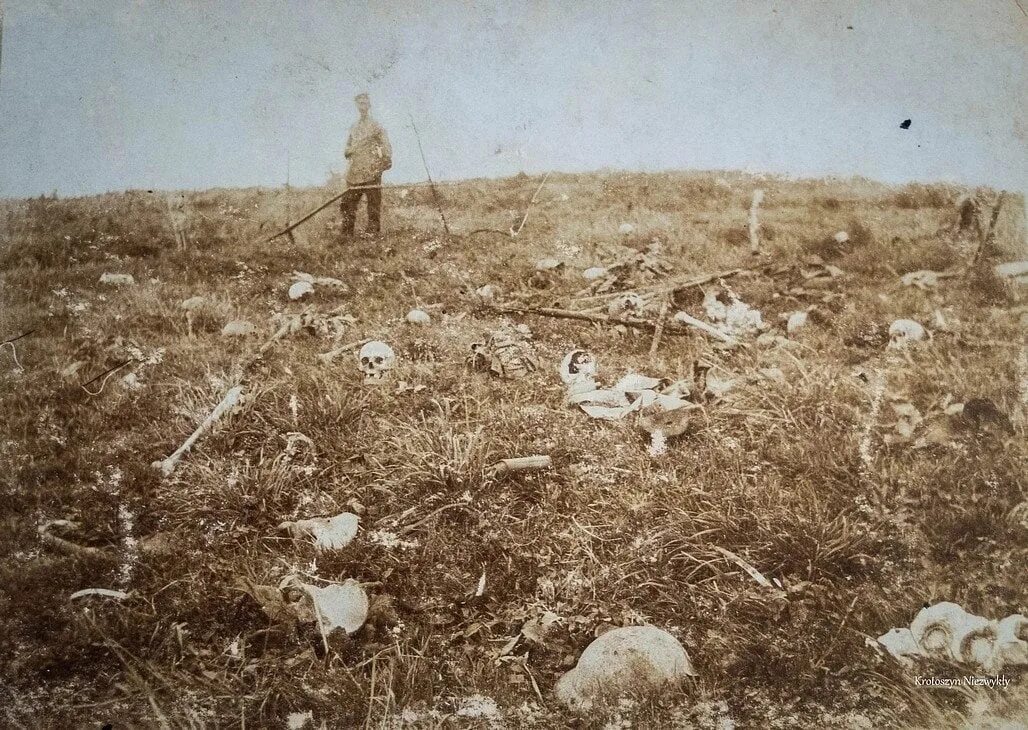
669	287
643	324
230	400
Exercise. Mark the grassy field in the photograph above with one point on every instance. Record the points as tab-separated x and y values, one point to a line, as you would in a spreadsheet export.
805	476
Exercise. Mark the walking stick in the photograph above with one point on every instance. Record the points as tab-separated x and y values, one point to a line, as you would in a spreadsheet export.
435	193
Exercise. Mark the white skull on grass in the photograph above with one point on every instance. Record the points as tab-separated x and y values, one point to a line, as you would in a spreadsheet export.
904	332
376	359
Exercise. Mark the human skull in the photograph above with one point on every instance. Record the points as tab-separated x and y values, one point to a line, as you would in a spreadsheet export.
376	359
903	332
577	366
627	303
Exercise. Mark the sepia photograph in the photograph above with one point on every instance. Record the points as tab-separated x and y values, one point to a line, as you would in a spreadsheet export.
424	364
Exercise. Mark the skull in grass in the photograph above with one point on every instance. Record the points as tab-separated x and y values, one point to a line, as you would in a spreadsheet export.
376	360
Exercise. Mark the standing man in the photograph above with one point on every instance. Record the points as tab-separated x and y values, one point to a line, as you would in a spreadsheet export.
370	155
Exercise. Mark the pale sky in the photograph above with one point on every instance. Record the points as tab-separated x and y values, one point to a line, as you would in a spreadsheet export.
113	94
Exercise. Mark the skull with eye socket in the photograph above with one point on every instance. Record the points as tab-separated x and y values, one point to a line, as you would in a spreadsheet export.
578	371
376	360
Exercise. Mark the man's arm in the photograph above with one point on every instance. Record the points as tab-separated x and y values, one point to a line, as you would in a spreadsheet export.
349	145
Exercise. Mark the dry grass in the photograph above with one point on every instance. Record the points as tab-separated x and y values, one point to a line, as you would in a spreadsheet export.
610	536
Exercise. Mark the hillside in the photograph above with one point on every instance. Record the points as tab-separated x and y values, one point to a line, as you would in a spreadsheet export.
845	473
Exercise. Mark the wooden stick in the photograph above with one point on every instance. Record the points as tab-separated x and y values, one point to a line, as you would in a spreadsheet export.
758	197
17	337
334	198
513	233
642	324
673	286
435	193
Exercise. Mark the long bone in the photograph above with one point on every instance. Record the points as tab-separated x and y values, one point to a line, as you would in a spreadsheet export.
230	400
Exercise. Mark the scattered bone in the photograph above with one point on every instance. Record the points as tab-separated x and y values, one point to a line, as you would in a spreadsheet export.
100	593
718	387
796	322
230	401
1012	270
755	574
336	606
578	371
667	417
548	265
946	631
626	229
301	720
901	644
376	361
684	318
925	279
487	293
537	629
904	332
594	273
326	357
117	279
330	324
521	463
131	382
418	316
1012	640
758	198
841	237
47	537
733	317
192	306
239	328
507	354
328	533
631	393
624	660
627	303
322	281
300	289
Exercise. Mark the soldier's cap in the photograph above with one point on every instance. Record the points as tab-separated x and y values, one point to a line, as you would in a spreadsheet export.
362	97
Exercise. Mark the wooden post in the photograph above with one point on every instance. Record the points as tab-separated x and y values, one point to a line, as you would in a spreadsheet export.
758	197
